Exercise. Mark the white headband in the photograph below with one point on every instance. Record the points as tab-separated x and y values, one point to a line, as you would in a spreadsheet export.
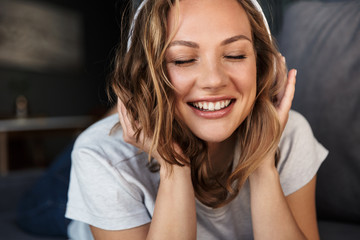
254	2
258	7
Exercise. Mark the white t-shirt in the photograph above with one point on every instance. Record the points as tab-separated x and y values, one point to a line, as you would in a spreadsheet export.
111	187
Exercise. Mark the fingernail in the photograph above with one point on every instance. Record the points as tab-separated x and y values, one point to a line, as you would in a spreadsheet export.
295	72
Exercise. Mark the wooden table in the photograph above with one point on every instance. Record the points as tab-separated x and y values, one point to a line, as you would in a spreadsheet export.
8	126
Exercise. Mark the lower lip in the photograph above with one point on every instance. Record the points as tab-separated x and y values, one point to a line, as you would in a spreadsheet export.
214	114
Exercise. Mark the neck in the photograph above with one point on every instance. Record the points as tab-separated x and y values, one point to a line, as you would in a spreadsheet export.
221	154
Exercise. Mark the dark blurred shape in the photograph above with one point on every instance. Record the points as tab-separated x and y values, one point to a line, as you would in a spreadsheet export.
58	54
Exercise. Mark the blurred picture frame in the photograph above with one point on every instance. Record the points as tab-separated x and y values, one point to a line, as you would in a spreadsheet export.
40	37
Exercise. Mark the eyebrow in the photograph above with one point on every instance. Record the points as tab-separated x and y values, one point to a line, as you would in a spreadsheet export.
184	43
234	39
195	45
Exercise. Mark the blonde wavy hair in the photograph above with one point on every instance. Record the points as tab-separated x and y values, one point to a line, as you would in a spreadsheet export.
141	81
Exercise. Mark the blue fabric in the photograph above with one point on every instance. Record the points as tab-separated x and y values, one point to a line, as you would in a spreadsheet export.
42	209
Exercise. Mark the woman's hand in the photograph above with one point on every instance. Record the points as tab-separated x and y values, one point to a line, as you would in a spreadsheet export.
174	214
170	220
286	95
283	105
271	215
144	143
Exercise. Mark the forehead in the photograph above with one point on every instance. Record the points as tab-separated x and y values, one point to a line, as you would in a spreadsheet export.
220	17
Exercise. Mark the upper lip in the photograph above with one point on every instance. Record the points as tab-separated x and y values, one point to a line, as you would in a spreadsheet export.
211	99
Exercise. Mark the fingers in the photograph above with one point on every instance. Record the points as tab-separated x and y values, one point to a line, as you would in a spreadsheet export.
119	107
128	131
281	77
286	101
122	114
143	143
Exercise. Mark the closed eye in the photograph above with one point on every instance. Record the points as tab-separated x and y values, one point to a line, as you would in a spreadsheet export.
237	57
184	62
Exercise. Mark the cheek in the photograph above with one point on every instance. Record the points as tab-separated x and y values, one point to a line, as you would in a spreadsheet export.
181	81
244	78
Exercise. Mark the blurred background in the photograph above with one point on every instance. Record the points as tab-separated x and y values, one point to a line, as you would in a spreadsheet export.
55	56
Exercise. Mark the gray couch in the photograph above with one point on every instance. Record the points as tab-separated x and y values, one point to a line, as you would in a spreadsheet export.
321	40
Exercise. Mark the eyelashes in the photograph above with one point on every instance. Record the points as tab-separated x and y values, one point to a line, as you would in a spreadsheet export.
236	57
184	62
187	62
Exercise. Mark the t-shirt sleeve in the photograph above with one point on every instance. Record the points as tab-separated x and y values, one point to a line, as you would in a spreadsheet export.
300	154
100	195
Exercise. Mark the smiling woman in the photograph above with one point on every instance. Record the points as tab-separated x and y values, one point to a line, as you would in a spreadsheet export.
203	93
209	71
211	61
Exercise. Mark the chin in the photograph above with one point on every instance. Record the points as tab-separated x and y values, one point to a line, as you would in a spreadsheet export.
214	137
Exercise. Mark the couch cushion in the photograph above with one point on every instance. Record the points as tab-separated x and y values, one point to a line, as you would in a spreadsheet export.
337	230
322	40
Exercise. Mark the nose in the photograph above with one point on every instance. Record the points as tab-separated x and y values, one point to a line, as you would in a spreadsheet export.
212	76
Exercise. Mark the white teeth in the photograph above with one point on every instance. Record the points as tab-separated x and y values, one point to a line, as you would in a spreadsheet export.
211	106
205	105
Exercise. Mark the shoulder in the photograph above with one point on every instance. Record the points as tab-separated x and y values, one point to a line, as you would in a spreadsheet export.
296	122
297	130
103	140
102	158
110	186
300	154
101	155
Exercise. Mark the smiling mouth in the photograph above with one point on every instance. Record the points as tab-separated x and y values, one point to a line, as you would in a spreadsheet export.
211	106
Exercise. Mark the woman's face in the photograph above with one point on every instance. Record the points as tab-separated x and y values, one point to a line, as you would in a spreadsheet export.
211	63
